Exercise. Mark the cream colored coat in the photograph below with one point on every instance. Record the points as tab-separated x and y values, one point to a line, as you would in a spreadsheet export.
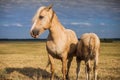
61	42
88	49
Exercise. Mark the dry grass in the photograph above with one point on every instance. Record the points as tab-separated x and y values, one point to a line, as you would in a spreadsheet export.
27	60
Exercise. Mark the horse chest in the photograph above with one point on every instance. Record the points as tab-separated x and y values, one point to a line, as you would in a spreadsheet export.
55	49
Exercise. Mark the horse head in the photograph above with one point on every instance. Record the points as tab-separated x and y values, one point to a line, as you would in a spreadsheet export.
41	20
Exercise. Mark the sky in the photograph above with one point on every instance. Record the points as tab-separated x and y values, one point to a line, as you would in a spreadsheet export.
99	16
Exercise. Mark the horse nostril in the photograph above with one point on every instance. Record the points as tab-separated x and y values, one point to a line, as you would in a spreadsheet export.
35	32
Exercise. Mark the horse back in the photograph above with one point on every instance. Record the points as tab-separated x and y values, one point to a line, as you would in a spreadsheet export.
71	36
72	41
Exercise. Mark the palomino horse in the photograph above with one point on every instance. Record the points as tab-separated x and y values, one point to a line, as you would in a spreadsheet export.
87	50
61	42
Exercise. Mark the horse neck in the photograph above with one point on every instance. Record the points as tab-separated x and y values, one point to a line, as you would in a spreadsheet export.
56	30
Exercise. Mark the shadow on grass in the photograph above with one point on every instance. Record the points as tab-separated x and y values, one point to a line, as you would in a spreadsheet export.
32	73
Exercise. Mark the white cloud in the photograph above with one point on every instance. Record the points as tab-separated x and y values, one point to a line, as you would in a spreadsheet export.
18	24
81	23
13	24
102	24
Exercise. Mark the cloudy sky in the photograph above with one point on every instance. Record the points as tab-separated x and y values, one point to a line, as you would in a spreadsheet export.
99	16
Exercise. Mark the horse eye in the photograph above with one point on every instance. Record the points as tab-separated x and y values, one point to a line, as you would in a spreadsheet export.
41	17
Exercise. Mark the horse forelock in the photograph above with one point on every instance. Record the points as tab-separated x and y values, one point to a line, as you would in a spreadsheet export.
41	9
38	13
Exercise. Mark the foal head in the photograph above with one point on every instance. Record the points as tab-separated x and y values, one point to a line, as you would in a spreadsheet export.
41	21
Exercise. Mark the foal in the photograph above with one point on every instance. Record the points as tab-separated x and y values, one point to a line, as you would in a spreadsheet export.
61	42
87	50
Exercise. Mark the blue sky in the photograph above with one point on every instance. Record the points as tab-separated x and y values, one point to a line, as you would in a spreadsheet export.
99	16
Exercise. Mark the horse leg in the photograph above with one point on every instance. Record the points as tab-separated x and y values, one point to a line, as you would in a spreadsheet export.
64	63
78	67
48	63
68	67
95	66
88	70
52	66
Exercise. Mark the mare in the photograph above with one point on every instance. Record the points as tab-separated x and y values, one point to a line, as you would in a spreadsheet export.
61	42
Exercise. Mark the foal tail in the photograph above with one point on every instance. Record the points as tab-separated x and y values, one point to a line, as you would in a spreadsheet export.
91	45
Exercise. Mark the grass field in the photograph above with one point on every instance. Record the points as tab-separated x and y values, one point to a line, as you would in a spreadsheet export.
26	61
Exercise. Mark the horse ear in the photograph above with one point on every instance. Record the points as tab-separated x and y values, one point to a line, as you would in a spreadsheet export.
50	6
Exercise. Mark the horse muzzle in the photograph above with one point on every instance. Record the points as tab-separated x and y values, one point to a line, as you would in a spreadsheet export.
34	33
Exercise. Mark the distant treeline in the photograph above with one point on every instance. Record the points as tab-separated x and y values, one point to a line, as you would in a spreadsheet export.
23	39
102	40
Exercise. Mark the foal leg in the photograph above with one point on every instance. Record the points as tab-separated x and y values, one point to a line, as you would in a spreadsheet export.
64	69
95	66
88	70
52	66
68	67
78	67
